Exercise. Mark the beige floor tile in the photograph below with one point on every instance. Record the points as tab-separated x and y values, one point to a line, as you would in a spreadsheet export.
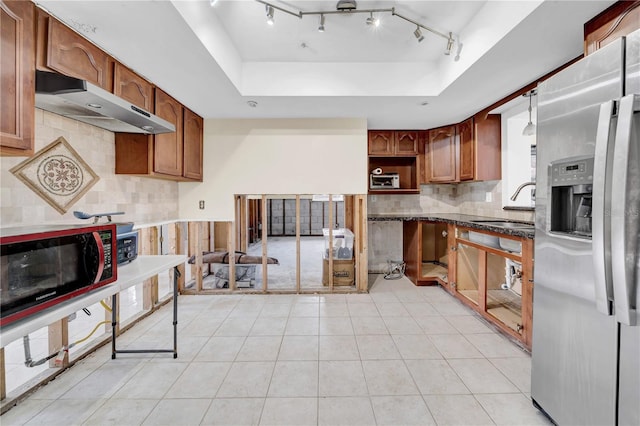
517	370
65	412
341	378
452	308
338	348
457	410
495	346
377	347
392	309
435	325
220	348
294	379
298	348
105	381
401	410
235	327
407	325
409	295
454	346
270	310
416	346
260	348
302	326
349	411
389	377
305	310
247	379
199	380
383	297
368	325
480	376
353	298
171	412
269	326
335	326
24	411
420	309
512	409
435	377
332	309
234	411
118	412
468	324
290	411
152	381
363	310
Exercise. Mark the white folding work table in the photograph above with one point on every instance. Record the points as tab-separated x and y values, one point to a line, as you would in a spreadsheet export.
129	275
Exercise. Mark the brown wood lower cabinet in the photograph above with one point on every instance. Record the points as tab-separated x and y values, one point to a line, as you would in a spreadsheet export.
425	252
496	283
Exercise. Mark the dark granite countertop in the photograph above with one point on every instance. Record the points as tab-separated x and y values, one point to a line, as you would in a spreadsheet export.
482	223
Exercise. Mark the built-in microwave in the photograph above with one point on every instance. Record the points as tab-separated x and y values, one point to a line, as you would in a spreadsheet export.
43	266
384	181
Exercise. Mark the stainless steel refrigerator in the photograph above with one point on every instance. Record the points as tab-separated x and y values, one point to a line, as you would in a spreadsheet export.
586	304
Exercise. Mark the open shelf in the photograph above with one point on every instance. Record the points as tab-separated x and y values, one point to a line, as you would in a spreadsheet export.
434	271
407	169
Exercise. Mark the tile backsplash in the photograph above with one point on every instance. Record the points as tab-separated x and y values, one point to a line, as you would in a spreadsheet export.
144	200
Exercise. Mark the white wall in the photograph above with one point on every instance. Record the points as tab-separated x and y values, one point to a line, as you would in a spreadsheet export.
282	156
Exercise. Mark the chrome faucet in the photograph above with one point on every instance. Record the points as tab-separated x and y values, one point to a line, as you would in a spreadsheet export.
515	194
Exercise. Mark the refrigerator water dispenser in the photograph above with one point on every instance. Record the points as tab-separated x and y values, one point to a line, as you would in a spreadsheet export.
571	182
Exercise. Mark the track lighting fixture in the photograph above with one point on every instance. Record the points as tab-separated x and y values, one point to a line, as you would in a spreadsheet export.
530	128
418	34
349	7
373	21
269	14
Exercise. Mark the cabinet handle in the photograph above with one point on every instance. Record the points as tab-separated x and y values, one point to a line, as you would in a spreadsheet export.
444	234
519	328
453	285
454	248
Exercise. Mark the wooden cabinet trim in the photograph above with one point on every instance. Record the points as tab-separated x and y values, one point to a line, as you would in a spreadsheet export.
18	100
618	20
130	86
71	54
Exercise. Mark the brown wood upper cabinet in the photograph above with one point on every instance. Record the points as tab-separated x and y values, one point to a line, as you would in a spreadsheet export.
391	143
193	144
167	149
622	18
130	86
17	68
63	50
174	156
440	153
467	151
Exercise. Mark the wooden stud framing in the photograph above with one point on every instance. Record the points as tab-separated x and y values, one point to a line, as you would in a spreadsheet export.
231	248
527	291
297	243
330	242
149	239
178	247
361	249
59	337
264	244
482	280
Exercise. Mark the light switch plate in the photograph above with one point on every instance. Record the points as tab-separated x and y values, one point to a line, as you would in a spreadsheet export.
488	197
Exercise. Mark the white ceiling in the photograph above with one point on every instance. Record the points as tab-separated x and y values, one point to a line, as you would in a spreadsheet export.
215	59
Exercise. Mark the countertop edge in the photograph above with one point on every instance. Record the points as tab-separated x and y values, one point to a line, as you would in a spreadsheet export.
461	220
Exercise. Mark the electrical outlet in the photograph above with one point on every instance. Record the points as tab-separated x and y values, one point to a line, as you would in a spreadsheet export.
488	197
201	204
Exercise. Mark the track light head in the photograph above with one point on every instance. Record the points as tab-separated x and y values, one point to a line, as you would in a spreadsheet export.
373	21
269	10
418	34
449	45
321	27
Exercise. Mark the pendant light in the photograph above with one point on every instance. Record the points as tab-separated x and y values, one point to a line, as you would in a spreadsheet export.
530	128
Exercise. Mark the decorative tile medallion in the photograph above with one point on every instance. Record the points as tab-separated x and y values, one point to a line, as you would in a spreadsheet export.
57	174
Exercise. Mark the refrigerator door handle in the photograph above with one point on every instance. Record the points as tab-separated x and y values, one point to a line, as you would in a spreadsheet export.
601	243
625	206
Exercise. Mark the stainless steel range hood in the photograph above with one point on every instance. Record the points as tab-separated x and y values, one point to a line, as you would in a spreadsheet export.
86	102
